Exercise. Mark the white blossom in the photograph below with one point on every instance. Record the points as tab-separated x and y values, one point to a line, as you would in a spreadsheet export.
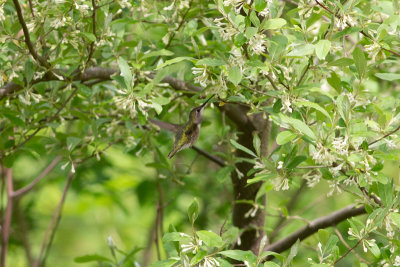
209	261
396	261
256	44
280	184
2	17
322	155
226	30
312	178
286	104
236	4
334	185
343	21
373	50
170	7
335	171
203	78
237	58
280	164
341	145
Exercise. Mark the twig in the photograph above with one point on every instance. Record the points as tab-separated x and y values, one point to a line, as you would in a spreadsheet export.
94	22
272	82
347	245
31	8
319	223
383	137
52	227
314	167
213	158
28	42
45	172
372	196
305	72
348	251
7	220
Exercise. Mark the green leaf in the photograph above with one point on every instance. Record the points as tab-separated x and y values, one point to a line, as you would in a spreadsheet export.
29	72
302	50
314	106
72	142
322	48
212	62
235	75
125	72
270	264
295	162
273	24
323	236
388	76
396	218
341	62
175	236
250	32
374	250
198	257
344	107
223	173
193	211
92	257
293	252
88	36
260	5
162	52
284	137
299	126
257	144
359	60
173	61
335	82
14	119
164	263
244	149
347	31
240	39
240	255
209	238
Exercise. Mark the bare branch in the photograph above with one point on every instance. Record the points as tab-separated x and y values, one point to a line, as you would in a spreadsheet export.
7	220
319	223
28	42
52	227
347	246
94	22
45	172
383	137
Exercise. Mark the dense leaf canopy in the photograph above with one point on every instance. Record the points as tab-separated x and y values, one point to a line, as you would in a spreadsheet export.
300	138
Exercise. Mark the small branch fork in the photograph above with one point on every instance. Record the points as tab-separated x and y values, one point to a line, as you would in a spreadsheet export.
319	223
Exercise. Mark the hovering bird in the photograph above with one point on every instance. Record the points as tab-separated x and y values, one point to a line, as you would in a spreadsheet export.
187	134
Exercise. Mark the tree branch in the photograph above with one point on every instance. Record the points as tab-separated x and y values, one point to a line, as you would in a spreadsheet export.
7	220
28	42
45	172
383	137
319	223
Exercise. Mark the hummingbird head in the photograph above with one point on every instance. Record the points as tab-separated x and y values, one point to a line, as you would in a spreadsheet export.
196	114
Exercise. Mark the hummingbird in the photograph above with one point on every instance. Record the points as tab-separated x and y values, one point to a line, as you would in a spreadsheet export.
187	134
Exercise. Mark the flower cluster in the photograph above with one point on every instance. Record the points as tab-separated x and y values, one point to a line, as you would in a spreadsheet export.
257	44
323	155
226	30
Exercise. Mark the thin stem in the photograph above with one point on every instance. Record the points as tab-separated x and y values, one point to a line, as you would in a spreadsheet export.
52	227
28	42
383	137
94	22
305	72
7	219
347	245
45	172
348	251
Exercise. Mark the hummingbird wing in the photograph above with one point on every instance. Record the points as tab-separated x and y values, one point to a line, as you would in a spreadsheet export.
166	125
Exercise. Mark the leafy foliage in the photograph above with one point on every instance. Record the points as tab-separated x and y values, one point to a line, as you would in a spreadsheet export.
306	96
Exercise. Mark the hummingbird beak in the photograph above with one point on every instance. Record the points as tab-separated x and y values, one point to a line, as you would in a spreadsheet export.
205	103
